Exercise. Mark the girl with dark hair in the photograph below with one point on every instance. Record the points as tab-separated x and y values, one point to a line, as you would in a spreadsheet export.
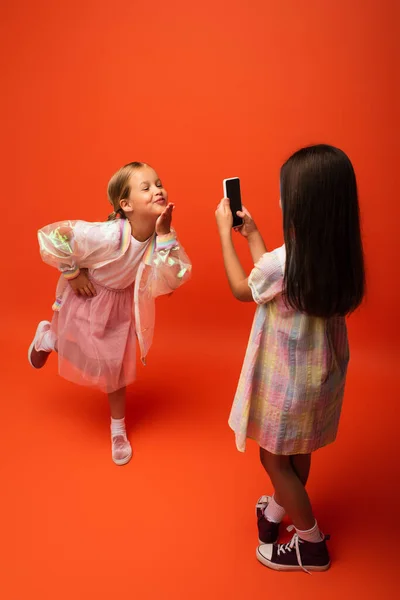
290	391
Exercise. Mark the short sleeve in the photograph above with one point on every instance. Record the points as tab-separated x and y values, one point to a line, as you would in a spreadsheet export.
266	278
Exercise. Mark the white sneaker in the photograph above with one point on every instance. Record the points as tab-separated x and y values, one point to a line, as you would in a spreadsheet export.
38	358
121	449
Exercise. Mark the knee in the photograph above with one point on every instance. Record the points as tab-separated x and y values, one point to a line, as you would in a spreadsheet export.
264	458
273	463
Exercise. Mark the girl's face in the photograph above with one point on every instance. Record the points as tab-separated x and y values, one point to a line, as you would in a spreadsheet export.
148	198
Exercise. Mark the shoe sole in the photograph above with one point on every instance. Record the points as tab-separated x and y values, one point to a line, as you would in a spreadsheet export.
33	344
271	565
123	461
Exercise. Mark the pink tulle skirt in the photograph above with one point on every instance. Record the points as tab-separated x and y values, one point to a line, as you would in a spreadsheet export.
96	338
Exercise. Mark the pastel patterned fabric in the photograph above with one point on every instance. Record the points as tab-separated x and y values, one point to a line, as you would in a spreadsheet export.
290	390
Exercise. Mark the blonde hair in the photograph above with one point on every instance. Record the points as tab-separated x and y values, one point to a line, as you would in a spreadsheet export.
119	188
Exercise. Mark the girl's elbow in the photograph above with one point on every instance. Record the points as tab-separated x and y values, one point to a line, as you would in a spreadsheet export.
238	294
242	293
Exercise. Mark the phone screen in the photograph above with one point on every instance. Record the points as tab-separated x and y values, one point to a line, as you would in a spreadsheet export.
232	191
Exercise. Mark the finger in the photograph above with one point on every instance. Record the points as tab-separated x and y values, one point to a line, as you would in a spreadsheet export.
244	216
166	211
92	288
223	206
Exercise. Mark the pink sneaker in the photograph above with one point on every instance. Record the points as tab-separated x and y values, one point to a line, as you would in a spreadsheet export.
38	358
121	449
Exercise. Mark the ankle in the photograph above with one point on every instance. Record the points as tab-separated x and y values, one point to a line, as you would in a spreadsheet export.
118	427
313	535
274	511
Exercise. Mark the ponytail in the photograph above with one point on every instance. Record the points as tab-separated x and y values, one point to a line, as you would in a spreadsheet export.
119	214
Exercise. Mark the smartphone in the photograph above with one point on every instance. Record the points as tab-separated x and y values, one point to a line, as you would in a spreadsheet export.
232	191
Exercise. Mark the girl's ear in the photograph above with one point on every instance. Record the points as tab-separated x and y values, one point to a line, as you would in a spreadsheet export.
126	205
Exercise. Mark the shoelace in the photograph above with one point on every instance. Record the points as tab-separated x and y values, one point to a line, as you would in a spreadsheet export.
294	543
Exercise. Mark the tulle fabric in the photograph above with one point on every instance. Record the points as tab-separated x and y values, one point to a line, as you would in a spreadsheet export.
97	338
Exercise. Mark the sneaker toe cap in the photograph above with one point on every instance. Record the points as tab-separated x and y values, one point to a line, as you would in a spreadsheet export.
265	551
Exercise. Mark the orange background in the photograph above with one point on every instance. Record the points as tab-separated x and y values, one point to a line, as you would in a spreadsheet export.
201	92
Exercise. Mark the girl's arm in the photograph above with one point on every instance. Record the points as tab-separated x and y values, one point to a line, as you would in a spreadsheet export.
249	230
256	245
171	267
71	245
265	281
234	271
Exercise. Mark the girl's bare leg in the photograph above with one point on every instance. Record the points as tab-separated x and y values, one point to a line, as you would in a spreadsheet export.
289	489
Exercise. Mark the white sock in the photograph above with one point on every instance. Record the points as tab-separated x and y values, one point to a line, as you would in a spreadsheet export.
48	342
274	512
311	535
118	427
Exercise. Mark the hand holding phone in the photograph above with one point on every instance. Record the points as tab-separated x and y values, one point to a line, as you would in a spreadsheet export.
232	191
248	227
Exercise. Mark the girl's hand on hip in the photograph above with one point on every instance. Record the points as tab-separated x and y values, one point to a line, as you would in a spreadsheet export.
248	226
224	218
82	286
163	223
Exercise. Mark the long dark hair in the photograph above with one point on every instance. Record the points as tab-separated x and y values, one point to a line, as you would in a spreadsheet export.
324	273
